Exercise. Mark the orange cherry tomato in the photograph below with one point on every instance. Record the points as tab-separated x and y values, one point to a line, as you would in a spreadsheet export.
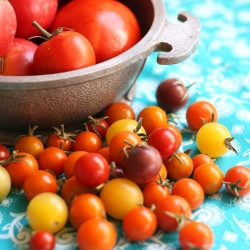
200	159
84	207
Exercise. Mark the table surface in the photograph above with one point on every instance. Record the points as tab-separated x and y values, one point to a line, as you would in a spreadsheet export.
221	69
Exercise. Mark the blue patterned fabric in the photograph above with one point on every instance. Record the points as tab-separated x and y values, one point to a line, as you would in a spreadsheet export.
221	69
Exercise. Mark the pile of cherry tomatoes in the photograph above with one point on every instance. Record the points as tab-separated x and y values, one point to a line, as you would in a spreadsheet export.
52	36
126	168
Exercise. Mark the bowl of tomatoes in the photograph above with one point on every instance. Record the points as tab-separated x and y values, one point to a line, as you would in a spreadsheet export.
52	99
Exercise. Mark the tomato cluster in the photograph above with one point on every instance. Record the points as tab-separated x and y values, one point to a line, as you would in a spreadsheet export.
123	168
53	36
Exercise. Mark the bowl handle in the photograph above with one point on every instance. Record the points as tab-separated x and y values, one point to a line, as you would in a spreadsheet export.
177	41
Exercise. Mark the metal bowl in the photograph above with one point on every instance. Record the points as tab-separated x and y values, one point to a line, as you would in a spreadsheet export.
68	98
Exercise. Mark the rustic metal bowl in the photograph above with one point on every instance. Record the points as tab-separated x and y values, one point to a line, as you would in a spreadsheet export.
68	98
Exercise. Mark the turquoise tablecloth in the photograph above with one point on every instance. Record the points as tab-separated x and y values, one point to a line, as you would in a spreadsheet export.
220	68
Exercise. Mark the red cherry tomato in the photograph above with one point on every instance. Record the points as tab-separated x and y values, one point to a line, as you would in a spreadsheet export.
154	192
198	110
139	223
72	46
18	61
42	240
237	180
43	11
98	126
30	143
165	141
87	141
196	234
92	169
60	139
38	182
190	190
22	166
52	159
119	32
152	117
177	206
8	26
117	111
96	233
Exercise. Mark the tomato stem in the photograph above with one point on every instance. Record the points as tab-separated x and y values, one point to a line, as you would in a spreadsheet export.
42	30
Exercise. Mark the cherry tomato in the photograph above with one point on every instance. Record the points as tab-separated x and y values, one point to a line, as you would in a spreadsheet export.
5	183
214	139
210	177
123	125
38	182
84	207
142	163
152	117
30	143
119	142
18	61
4	152
22	166
72	46
69	164
42	240
171	95
47	211
8	26
174	129
165	141
92	169
72	188
43	11
97	233
200	159
196	235
154	192
60	139
179	209
98	126
104	151
119	195
117	111
190	190
87	141
237	180
118	33
179	166
52	159
139	223
198	110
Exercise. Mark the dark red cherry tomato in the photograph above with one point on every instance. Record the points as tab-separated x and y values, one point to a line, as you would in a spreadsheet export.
4	152
171	95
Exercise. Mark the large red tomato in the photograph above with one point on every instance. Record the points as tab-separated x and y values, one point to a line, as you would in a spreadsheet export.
27	11
8	25
63	51
18	61
110	26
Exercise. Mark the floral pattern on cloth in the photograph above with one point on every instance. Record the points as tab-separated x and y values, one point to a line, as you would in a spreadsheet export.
220	69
